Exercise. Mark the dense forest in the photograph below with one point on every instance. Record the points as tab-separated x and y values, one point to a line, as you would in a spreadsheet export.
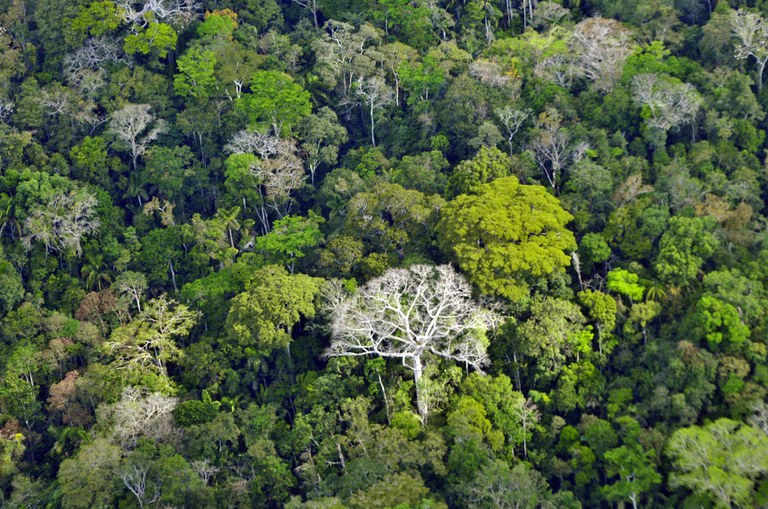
406	254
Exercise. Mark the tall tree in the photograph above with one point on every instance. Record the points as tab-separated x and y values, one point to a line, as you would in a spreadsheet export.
407	314
134	127
505	235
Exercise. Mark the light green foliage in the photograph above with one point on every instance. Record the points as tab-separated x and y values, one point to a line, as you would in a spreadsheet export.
290	237
157	39
625	283
720	324
275	102
498	485
264	315
683	249
488	165
99	18
720	460
601	308
218	24
505	235
421	79
196	74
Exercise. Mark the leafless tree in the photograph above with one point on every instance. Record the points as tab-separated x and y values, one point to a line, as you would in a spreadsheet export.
407	313
604	46
63	222
751	32
135	127
551	146
134	477
375	94
181	12
204	469
512	119
140	414
94	54
490	73
670	102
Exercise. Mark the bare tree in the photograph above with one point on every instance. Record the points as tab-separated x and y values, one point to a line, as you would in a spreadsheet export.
670	102
94	54
407	313
204	469
604	46
551	146
751	32
175	11
374	94
140	413
131	126
512	119
63	222
135	479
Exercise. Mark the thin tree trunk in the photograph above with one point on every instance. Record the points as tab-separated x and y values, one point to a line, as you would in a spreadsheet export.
421	405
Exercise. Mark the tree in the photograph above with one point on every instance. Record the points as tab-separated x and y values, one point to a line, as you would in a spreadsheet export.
501	487
751	32
196	74
311	6
375	94
148	341
131	127
720	460
635	471
321	135
487	165
62	223
683	249
505	235
275	101
555	333
89	479
263	317
604	45
131	284
289	237
667	102
409	313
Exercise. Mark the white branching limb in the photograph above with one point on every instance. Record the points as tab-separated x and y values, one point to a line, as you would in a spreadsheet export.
94	54
61	225
751	33
375	94
604	45
141	414
406	313
179	12
670	102
135	127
